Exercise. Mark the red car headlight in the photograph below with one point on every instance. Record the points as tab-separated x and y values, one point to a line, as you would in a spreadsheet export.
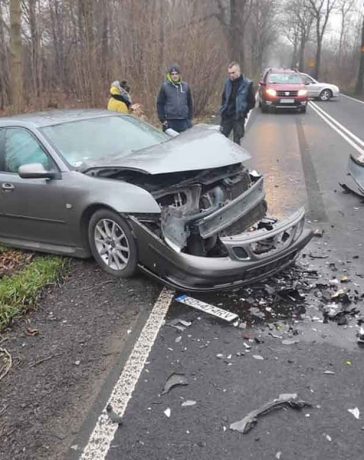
271	92
302	92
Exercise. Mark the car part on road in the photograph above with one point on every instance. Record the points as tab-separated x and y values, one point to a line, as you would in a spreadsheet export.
356	171
355	412
173	381
207	308
283	400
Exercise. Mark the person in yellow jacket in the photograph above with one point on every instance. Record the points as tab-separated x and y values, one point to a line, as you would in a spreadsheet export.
120	100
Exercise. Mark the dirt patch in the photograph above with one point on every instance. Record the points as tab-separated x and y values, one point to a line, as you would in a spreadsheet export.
11	261
61	354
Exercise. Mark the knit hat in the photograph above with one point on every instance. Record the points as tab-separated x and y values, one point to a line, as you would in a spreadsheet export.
174	68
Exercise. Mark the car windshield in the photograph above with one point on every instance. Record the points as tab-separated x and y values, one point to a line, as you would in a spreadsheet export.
285	78
102	137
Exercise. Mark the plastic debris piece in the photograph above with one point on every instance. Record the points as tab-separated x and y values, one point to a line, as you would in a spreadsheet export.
167	412
328	437
113	416
258	357
289	341
329	372
207	308
188	403
348	362
345	279
174	380
250	420
179	324
318	233
278	455
355	412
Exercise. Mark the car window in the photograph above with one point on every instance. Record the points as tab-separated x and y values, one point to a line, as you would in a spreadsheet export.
19	147
284	78
102	137
307	79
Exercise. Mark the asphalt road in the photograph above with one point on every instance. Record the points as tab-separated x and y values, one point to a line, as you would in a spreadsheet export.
281	346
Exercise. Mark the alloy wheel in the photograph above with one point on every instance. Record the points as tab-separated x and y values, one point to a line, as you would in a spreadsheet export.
111	244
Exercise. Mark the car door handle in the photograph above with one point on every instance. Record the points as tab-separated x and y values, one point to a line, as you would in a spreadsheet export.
7	187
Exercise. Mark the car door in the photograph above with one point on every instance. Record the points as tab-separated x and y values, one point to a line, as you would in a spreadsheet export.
30	209
313	87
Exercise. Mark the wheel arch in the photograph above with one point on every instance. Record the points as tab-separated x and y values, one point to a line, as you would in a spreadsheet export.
85	219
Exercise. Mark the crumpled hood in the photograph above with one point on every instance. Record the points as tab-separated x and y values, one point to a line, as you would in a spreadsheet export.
201	147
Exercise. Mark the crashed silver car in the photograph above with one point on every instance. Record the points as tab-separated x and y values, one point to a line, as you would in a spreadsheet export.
184	210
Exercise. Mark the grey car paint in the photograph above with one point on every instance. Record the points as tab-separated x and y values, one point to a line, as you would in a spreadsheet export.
356	170
199	148
53	214
315	88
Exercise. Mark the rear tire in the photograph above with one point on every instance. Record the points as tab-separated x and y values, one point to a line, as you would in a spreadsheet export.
302	110
112	243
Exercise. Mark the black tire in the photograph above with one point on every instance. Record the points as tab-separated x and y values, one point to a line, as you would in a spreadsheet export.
112	243
325	95
302	110
263	108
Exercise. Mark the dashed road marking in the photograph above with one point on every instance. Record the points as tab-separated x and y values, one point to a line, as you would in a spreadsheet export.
104	431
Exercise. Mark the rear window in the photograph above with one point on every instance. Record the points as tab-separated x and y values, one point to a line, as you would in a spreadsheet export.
284	78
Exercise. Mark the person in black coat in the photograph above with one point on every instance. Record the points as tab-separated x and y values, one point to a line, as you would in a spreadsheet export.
237	99
174	102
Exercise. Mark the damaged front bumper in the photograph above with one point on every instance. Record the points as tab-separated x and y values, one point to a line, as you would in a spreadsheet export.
252	256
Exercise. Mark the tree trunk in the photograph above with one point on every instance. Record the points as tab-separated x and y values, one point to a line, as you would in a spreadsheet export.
360	81
16	81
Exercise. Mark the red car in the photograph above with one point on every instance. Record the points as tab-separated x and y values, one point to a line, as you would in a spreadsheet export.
282	89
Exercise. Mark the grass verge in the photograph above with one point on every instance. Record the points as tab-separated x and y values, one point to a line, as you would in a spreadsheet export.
20	291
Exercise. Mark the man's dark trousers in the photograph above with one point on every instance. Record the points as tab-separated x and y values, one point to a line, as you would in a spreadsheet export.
229	124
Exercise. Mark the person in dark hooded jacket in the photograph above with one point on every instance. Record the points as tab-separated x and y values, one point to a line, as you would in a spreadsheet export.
174	102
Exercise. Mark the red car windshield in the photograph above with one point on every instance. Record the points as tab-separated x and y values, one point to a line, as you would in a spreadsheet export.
284	78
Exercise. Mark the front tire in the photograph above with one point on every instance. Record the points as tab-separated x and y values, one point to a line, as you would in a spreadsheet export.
112	243
325	95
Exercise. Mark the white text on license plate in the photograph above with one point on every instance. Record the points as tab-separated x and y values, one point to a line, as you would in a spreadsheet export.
207	308
287	101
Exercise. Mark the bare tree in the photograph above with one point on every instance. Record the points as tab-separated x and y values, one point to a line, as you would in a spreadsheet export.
16	82
321	10
345	7
4	60
233	15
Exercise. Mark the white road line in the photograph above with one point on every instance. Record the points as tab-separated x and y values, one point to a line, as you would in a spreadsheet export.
339	125
352	98
104	431
332	125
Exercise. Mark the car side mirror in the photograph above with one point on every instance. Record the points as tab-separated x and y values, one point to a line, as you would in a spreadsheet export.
35	171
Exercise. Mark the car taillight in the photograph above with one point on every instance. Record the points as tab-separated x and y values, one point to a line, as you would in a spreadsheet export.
271	92
302	92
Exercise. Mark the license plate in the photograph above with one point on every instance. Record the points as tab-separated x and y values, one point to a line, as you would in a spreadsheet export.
207	308
287	101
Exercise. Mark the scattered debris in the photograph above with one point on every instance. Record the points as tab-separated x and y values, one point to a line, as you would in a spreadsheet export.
179	324
188	403
355	412
259	357
328	437
113	416
207	308
31	332
318	233
278	455
329	372
174	380
167	412
249	421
